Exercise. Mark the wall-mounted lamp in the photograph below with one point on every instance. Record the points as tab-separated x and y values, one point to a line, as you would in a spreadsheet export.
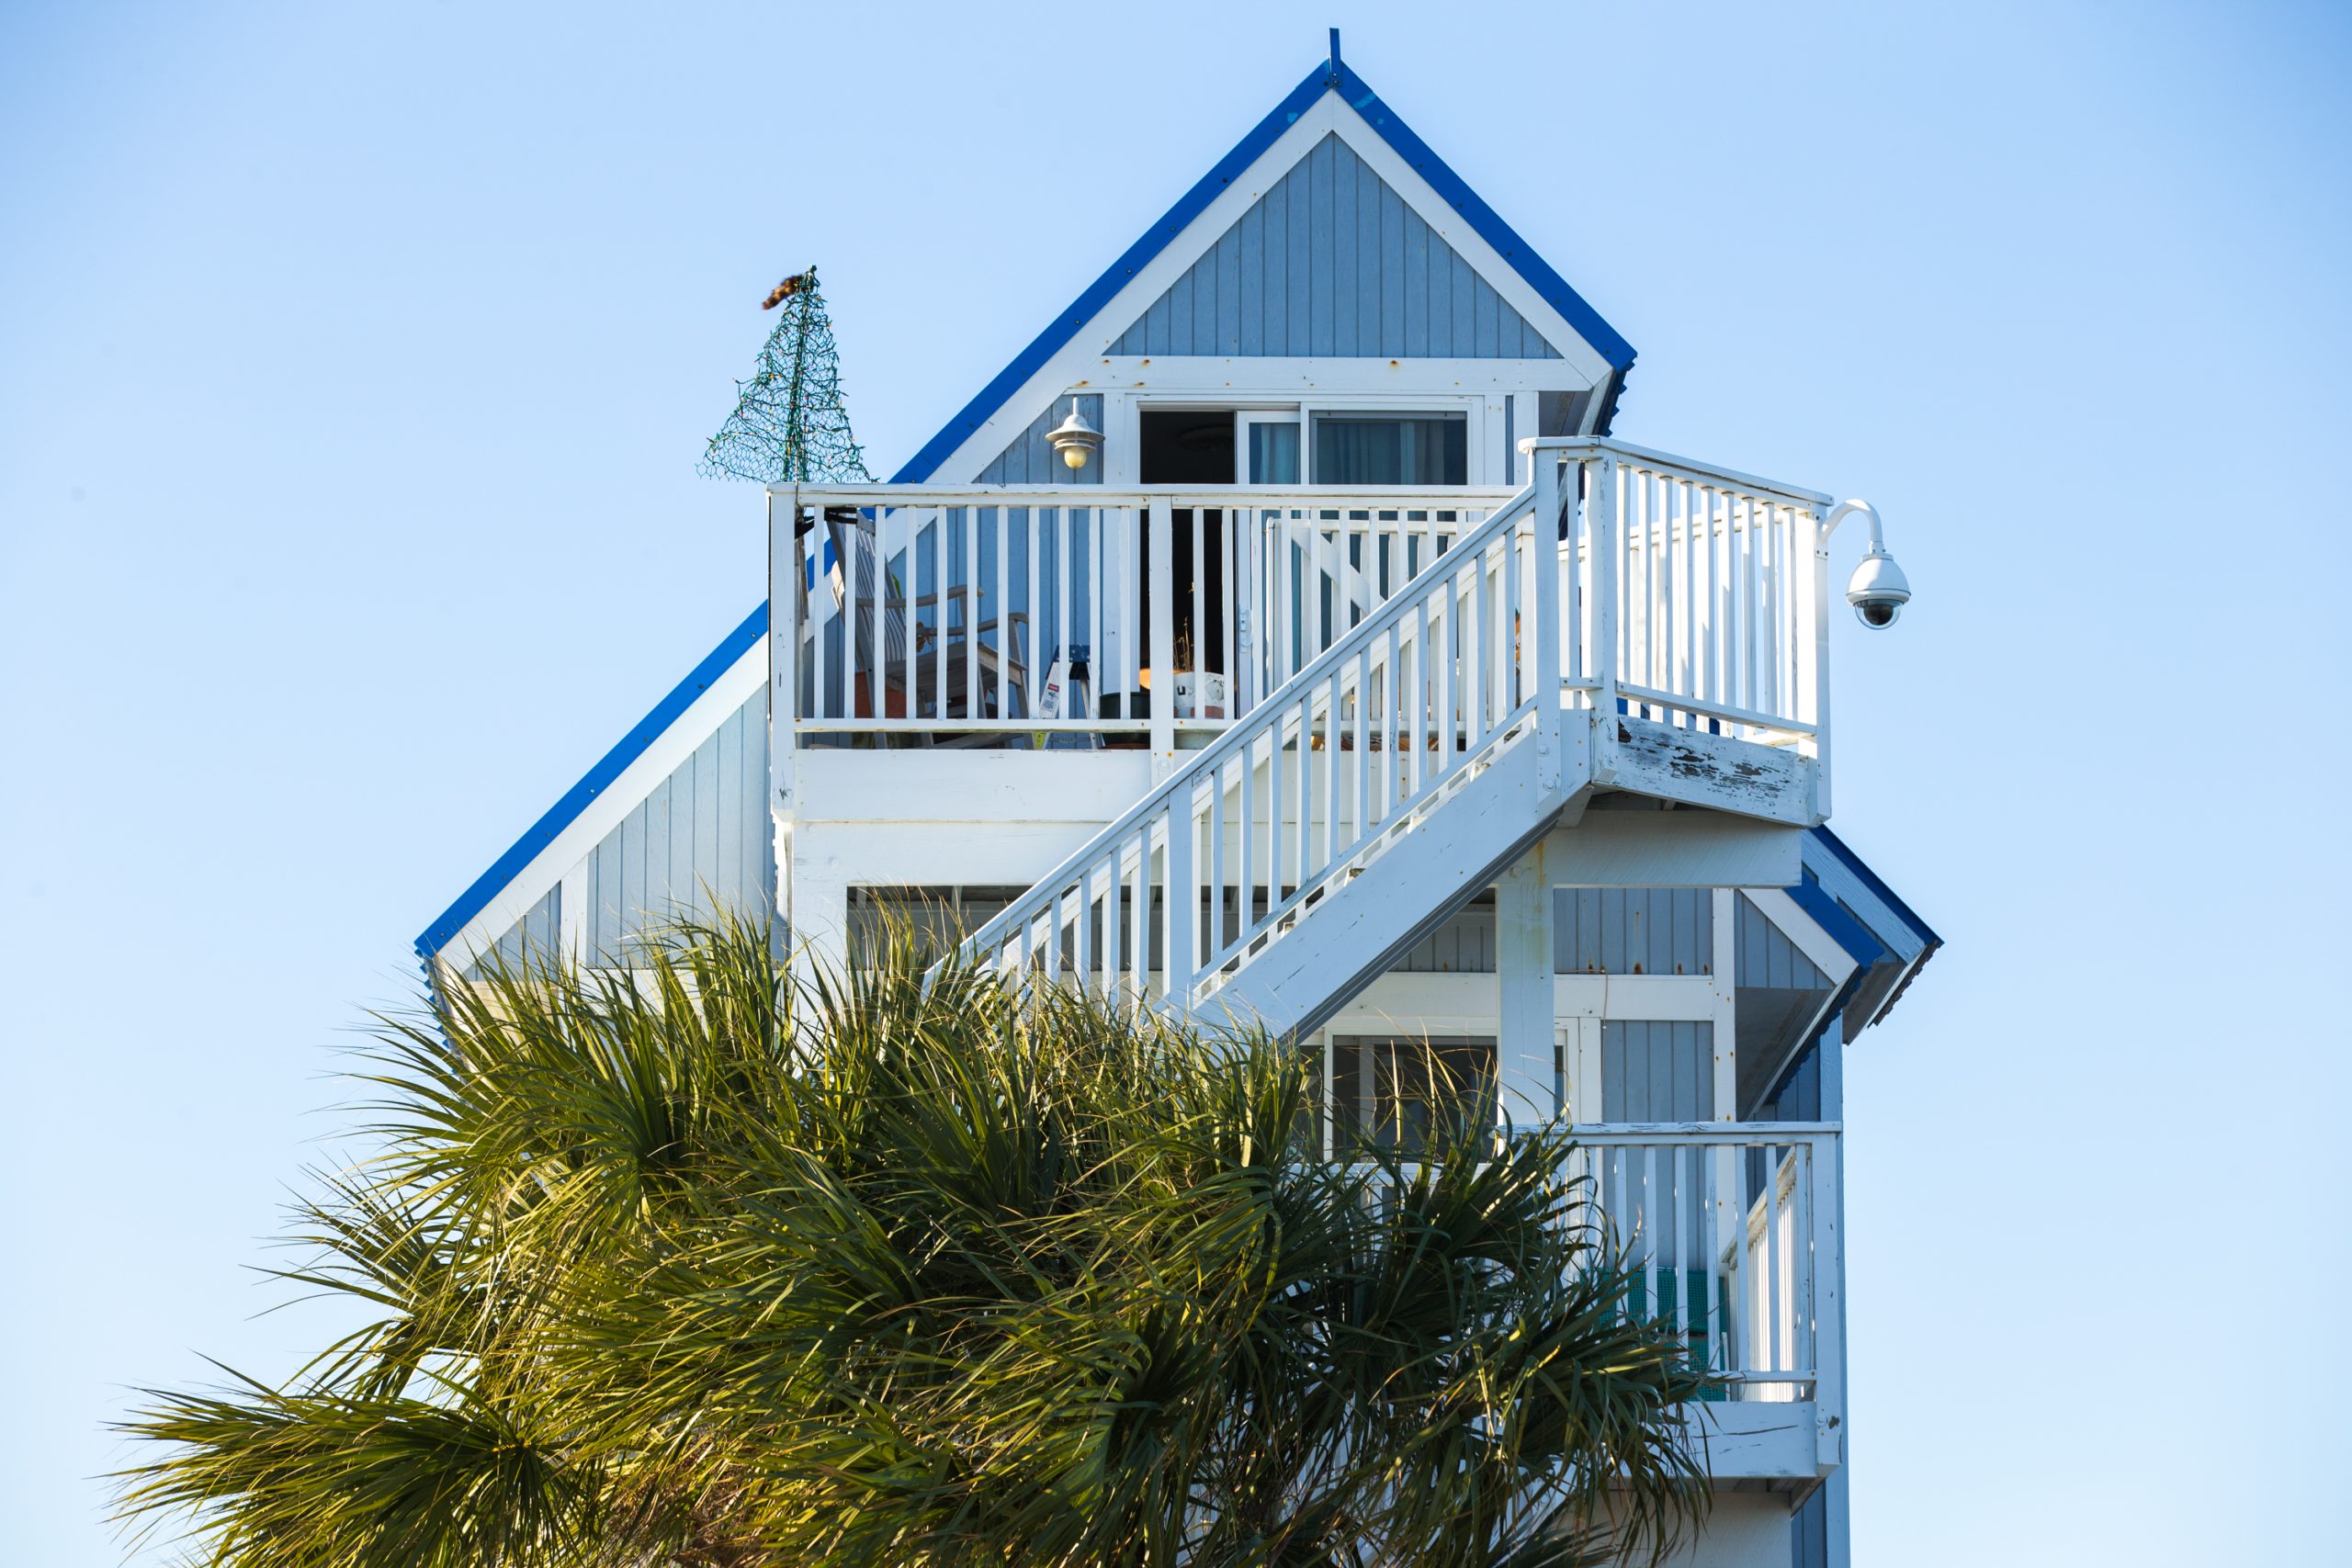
1075	439
1878	590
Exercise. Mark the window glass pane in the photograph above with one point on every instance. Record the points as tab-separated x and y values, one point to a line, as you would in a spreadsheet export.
1400	1094
1274	453
1391	449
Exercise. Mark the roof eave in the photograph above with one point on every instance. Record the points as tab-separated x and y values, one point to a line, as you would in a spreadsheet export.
594	783
1328	76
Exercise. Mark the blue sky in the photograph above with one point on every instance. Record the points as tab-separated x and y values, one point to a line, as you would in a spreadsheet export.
352	366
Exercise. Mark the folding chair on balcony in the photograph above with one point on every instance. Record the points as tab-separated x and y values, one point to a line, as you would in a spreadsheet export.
986	657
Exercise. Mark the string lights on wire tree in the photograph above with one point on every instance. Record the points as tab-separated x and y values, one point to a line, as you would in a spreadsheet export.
791	423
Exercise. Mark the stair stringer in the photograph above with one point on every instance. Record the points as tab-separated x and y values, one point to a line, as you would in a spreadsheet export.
1362	926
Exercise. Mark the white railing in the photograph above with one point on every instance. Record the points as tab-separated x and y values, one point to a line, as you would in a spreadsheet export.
1615	563
1732	1232
1323	561
1695	595
944	610
1371	734
1690	595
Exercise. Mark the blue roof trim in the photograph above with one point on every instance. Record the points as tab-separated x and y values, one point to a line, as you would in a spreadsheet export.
1328	75
1844	930
1104	290
559	816
1853	862
1488	222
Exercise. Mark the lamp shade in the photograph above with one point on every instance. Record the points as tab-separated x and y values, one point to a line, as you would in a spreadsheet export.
1076	440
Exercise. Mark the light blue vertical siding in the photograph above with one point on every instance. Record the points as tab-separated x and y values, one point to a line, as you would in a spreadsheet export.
1595	930
1461	943
1658	1072
1779	994
533	936
1797	1097
1765	956
1332	264
1633	930
1809	1531
1031	460
697	844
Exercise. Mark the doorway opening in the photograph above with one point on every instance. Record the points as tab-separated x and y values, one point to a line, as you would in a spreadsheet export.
1193	447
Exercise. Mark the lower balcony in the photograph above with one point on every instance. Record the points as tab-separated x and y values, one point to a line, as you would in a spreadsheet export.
1732	1230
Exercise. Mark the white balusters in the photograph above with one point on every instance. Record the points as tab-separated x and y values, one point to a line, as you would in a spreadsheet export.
1729	1230
1260	817
1691	595
1669	590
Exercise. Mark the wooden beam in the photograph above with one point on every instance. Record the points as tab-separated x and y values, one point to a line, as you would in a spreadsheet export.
1692	767
1526	1002
1681	848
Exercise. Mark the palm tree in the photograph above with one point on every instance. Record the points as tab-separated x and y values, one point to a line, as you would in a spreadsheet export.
710	1263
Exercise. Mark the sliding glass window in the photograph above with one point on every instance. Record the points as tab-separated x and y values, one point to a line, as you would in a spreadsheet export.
1391	449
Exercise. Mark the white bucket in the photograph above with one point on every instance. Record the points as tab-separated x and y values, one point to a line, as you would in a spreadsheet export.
1200	694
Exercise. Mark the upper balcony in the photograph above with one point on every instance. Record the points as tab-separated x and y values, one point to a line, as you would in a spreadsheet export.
1692	607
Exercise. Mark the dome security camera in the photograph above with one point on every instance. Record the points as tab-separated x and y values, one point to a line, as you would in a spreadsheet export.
1878	590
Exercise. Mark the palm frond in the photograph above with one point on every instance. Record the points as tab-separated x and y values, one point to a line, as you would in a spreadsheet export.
715	1262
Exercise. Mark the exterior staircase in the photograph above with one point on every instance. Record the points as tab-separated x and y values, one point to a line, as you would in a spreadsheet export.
1272	873
1368	797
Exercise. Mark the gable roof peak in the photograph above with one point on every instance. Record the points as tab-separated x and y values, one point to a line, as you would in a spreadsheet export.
1331	74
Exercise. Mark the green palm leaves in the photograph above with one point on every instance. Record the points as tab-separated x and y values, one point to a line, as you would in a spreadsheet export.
701	1264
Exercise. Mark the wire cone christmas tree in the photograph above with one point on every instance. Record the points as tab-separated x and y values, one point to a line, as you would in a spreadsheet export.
789	421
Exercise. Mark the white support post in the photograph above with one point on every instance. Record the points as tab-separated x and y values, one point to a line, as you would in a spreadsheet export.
1528	1002
1544	546
784	692
1723	962
1815	656
1601	515
1244	605
1729	1217
1161	562
784	651
1830	1261
1826	1205
1181	916
819	907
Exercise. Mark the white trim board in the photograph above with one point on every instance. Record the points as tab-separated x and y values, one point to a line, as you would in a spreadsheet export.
1281	381
1805	931
1688	847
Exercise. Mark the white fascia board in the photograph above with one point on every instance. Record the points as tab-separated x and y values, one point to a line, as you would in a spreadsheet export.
930	854
966	791
1468	1002
1281	379
1838	881
1684	848
1805	931
1079	365
741	682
